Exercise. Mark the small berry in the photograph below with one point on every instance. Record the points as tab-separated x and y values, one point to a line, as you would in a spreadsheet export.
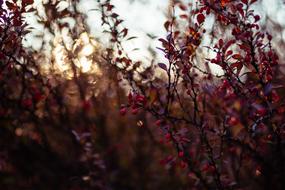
233	121
168	136
181	154
123	111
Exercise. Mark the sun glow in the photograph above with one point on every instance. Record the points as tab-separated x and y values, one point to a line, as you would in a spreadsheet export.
80	53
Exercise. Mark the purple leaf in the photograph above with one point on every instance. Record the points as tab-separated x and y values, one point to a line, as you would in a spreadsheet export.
267	88
162	66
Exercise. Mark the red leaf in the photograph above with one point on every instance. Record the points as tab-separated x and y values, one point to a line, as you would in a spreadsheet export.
200	18
27	2
221	42
228	44
182	7
237	56
256	18
110	7
125	32
230	52
123	111
10	5
183	16
114	15
158	122
237	65
166	25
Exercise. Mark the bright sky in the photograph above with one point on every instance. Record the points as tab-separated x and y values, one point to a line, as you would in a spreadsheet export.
147	16
141	17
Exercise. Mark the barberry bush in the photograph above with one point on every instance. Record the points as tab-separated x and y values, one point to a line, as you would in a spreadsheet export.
213	118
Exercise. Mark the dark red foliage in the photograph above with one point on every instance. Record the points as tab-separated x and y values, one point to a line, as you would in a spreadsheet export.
229	124
207	131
